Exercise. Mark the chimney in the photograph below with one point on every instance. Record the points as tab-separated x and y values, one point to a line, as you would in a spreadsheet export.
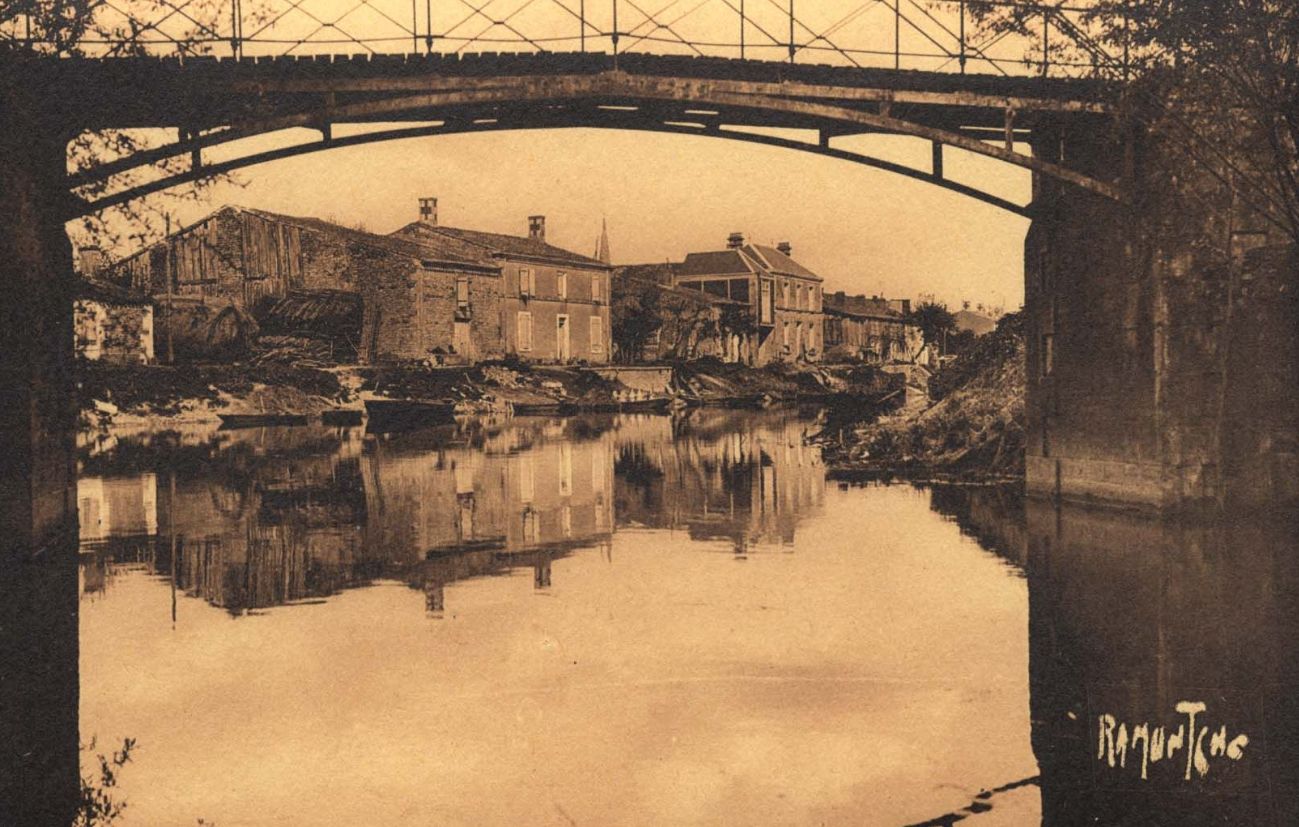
91	261
785	248
735	241
428	211
537	227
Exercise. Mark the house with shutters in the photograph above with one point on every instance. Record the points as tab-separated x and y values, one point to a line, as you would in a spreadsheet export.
784	298
554	304
367	297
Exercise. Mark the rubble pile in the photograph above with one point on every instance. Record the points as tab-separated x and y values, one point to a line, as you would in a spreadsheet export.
973	428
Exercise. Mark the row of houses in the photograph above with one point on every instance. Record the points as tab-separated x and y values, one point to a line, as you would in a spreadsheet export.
434	293
756	304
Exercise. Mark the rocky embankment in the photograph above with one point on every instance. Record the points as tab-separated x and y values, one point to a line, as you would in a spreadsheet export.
152	397
972	427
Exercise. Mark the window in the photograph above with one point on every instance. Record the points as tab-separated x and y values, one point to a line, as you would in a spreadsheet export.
740	290
1048	354
597	334
462	293
561	285
524	331
597	289
527	282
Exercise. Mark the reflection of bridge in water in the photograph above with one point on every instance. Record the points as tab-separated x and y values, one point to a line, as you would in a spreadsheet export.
1130	619
279	516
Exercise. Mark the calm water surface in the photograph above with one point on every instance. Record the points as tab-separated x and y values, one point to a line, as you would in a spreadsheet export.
619	620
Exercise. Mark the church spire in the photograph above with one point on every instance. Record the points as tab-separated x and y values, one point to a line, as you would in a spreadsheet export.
602	245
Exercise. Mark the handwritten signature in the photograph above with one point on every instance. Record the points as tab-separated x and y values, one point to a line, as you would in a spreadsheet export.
1152	745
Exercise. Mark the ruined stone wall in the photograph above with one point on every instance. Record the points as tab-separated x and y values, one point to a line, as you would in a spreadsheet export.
117	334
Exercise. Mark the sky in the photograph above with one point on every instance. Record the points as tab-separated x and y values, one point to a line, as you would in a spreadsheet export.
863	230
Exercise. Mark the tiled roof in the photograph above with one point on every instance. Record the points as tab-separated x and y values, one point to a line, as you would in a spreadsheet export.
421	248
716	263
777	262
752	258
499	244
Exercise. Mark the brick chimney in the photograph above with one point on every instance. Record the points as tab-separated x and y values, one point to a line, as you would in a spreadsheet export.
537	227
786	248
91	261
735	241
428	211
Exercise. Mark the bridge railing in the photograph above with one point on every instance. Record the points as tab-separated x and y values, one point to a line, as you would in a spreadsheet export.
933	35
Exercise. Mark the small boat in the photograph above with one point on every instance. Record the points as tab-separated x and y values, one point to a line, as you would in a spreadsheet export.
537	408
257	420
656	404
399	413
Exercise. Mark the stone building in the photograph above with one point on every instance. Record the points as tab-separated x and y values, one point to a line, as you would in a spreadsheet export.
783	295
554	303
420	299
653	321
111	324
870	329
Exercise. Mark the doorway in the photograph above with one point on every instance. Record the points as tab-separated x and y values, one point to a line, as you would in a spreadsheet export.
563	351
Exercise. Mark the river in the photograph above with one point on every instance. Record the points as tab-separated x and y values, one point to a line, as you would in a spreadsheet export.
652	620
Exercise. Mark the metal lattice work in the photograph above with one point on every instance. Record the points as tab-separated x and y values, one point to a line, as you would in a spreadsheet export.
930	35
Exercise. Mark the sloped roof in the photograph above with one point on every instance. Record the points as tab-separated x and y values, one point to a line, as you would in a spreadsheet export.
777	262
499	244
107	293
417	247
715	263
313	308
752	258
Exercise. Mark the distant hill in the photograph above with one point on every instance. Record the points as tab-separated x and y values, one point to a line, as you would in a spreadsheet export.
977	323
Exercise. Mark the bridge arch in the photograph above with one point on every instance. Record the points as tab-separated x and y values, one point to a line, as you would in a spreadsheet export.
608	99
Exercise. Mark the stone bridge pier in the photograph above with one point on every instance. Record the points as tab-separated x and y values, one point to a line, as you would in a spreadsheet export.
1163	372
39	691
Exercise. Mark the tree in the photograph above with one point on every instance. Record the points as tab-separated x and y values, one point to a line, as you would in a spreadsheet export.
1214	81
59	29
933	319
634	317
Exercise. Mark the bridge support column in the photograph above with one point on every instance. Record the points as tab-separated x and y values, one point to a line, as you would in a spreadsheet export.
1162	359
39	777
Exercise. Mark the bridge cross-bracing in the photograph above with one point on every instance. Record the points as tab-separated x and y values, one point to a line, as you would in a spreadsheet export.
210	103
1051	36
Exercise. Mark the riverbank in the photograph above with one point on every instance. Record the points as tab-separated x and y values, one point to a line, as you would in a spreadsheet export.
153	397
970	429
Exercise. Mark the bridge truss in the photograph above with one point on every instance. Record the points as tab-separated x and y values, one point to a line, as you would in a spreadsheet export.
930	35
216	72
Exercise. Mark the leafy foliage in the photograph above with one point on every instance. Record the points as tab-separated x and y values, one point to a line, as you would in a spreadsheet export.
97	806
933	320
1215	83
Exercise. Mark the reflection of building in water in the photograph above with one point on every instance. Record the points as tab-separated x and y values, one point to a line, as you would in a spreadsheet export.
117	506
720	474
272	516
1130	619
532	491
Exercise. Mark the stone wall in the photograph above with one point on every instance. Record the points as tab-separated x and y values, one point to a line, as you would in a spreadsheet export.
1160	356
117	334
237	258
545	305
